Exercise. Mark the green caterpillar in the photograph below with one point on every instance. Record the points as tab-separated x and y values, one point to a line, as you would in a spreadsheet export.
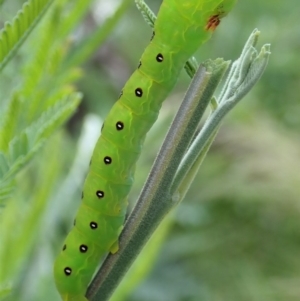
181	27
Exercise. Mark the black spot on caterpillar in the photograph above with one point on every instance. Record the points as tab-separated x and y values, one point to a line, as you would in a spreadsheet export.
68	271
138	92
159	58
107	160
100	194
93	225
83	248
119	125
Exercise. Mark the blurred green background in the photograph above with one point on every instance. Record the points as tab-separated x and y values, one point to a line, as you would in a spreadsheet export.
236	236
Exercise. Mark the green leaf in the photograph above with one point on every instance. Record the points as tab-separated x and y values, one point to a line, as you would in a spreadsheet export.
21	224
15	33
146	12
9	122
25	145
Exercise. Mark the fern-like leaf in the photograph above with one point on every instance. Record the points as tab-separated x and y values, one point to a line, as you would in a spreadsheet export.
25	145
6	187
15	33
6	190
9	123
4	165
146	12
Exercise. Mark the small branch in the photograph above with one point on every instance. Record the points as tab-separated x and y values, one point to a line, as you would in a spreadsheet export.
244	74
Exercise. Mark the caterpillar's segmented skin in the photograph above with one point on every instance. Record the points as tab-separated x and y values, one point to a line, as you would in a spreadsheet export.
181	27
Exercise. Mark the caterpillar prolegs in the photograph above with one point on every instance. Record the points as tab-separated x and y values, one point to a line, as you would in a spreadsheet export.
181	27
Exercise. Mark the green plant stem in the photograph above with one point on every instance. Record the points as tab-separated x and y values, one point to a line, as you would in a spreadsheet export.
186	182
155	201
